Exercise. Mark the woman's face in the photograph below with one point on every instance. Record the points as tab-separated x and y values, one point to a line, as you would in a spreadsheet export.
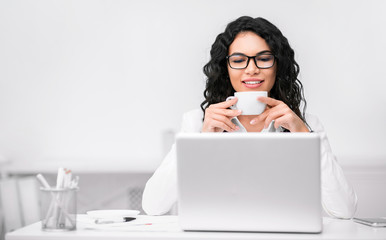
251	78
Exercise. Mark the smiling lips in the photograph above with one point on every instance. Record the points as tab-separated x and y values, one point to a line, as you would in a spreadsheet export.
252	83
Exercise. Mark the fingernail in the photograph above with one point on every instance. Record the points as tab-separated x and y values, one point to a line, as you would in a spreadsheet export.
252	122
239	112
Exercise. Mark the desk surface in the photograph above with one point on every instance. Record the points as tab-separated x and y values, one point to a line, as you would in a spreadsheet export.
166	227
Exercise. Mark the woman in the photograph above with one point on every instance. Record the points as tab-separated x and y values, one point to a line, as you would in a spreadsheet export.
253	55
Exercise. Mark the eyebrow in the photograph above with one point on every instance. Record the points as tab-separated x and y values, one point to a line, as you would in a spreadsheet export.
259	53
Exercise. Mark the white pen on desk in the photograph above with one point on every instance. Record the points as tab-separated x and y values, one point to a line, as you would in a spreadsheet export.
43	181
108	221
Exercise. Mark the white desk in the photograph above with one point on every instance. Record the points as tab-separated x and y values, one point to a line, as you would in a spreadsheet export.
166	227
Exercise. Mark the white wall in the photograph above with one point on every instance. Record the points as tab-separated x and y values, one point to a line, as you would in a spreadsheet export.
102	80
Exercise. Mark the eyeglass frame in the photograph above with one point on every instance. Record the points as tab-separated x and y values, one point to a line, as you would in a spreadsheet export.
254	59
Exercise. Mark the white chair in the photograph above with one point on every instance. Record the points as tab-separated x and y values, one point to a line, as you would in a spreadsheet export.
19	201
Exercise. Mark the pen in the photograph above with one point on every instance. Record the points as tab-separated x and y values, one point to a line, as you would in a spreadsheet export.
108	221
43	181
67	178
60	178
74	182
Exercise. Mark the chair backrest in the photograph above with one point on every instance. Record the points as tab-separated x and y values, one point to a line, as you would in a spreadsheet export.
19	203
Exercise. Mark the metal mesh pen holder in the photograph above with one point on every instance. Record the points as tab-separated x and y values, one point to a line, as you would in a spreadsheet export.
58	209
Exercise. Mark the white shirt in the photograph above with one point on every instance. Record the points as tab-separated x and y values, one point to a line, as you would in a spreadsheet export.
338	197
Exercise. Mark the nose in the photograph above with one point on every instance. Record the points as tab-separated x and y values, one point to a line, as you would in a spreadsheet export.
252	69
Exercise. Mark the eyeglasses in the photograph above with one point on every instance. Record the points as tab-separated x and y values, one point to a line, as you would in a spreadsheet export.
240	61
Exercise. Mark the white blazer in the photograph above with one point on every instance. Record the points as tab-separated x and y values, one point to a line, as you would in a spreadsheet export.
338	197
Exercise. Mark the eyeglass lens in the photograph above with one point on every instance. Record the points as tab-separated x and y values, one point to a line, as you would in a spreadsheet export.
241	61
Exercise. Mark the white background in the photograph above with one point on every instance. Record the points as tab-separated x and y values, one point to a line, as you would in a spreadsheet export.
102	80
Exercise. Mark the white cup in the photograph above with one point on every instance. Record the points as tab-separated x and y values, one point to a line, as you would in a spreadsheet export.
247	102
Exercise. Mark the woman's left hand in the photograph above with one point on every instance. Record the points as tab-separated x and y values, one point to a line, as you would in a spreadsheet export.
282	114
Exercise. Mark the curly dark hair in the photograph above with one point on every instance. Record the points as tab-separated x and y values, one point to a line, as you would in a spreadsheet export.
287	87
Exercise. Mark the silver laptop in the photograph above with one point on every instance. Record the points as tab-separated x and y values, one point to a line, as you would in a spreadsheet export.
264	182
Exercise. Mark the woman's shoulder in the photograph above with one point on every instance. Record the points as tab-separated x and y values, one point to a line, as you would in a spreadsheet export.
195	113
311	117
314	122
192	120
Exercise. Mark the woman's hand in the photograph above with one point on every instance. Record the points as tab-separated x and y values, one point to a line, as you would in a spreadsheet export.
218	117
282	114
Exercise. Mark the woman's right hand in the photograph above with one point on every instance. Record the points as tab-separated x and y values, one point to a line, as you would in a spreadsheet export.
218	117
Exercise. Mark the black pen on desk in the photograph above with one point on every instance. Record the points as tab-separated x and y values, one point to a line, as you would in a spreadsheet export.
108	221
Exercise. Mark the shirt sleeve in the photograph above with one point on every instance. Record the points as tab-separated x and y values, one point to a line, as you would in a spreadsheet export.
160	193
338	196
